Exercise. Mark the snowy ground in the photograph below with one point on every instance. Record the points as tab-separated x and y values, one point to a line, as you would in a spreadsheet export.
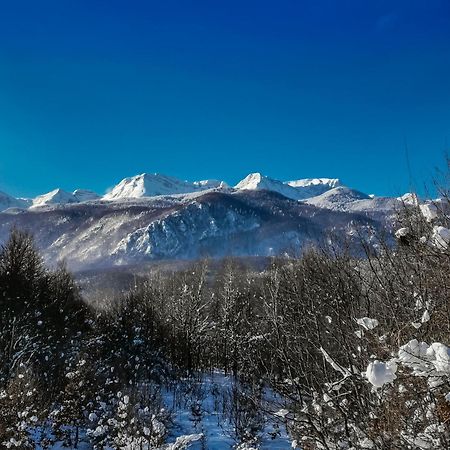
216	427
202	407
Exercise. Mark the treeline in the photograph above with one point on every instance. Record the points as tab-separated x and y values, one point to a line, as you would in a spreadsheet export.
312	329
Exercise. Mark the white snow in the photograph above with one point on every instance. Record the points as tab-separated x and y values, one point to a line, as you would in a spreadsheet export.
57	196
295	190
402	232
183	442
366	443
342	370
367	323
257	181
440	237
85	195
282	413
321	192
307	182
7	201
342	198
212	427
216	427
429	211
413	355
154	184
425	316
440	354
409	199
380	373
210	184
429	361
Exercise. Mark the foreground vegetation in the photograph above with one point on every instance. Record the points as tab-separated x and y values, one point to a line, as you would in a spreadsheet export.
344	344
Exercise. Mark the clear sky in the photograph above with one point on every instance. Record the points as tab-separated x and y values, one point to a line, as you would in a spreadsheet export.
93	91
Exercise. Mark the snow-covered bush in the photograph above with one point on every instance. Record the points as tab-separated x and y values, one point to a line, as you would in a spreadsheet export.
20	409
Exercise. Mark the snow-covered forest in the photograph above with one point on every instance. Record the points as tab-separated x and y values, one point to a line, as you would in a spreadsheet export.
328	351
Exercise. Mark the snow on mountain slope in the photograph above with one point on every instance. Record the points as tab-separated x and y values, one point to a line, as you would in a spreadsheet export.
323	192
337	196
210	184
345	199
154	217
212	223
85	195
328	183
57	196
7	201
295	190
181	231
311	187
150	185
256	182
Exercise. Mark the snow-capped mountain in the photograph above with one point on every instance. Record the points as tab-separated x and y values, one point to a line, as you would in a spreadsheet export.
256	181
311	187
342	198
7	201
155	217
55	197
214	223
337	198
61	197
153	184
85	195
326	183
295	190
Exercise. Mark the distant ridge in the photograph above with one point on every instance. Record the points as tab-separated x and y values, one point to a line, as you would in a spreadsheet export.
151	217
322	192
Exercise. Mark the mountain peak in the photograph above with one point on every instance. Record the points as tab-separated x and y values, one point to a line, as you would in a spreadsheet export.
252	181
339	198
57	196
156	184
296	190
306	182
8	201
153	184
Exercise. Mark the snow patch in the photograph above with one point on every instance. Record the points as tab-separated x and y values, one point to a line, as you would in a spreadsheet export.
380	373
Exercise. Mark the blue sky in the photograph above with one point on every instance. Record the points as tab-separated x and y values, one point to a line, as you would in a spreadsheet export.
93	91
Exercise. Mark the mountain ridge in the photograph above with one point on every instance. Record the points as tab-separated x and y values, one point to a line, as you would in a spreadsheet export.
155	184
212	224
153	217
